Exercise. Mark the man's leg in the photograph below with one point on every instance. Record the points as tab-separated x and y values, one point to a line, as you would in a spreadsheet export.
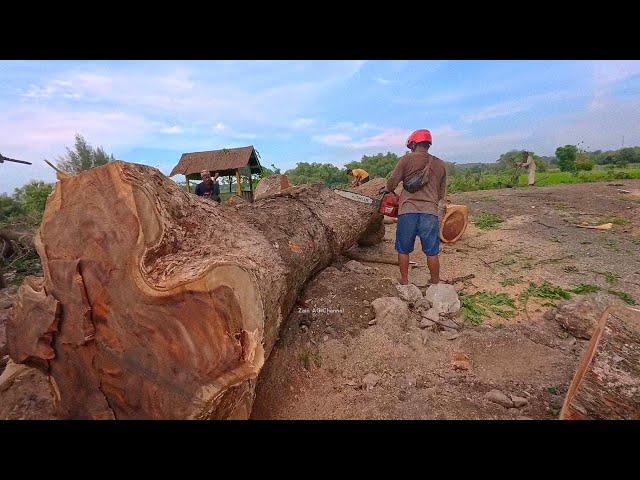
403	261
405	238
433	262
429	231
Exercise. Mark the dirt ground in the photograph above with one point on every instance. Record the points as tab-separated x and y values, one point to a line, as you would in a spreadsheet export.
323	361
317	371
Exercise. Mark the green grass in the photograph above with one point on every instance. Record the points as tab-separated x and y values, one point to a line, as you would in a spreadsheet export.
625	297
616	221
609	277
508	282
477	306
552	390
490	181
310	358
585	288
486	220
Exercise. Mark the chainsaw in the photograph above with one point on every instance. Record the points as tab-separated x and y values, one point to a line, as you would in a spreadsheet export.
385	204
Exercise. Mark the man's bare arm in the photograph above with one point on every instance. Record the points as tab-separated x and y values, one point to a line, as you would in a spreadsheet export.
442	196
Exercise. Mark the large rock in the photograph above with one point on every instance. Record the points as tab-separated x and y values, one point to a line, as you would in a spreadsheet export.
370	380
580	315
357	267
409	293
496	396
443	298
391	313
11	372
432	314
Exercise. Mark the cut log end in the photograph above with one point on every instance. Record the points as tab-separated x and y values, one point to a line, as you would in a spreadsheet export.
454	223
169	304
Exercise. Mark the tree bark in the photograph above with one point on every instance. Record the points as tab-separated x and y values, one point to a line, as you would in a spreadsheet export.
159	304
607	382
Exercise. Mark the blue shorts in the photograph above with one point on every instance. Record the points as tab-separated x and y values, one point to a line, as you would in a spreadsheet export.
424	225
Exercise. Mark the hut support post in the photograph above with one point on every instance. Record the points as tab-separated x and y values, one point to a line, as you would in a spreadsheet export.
239	187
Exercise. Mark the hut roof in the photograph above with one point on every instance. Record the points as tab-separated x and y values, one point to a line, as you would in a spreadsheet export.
224	161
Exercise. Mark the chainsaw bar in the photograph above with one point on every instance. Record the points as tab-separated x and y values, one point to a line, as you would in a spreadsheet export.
354	196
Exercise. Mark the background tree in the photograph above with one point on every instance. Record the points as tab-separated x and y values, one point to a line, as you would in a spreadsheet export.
583	162
379	165
326	173
266	172
26	206
567	158
83	157
509	163
625	156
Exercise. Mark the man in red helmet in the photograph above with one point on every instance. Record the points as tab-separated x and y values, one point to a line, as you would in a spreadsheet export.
420	212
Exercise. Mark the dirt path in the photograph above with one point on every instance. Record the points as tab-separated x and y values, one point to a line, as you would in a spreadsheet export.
317	371
317	368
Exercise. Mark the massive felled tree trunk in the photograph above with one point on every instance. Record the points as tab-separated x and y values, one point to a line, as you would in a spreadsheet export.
159	304
607	382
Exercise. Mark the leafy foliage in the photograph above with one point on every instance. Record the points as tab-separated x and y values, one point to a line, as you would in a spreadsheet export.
585	288
267	172
625	297
83	157
567	158
545	290
326	173
583	162
478	305
380	165
26	205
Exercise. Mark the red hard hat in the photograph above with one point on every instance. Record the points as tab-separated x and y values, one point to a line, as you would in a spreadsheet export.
419	136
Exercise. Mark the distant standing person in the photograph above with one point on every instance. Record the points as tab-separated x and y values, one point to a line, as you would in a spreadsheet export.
209	187
420	212
359	175
530	165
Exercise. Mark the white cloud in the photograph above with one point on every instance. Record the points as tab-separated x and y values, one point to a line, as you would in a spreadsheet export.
173	130
200	94
333	139
601	126
353	127
302	123
219	127
382	81
607	72
388	138
519	105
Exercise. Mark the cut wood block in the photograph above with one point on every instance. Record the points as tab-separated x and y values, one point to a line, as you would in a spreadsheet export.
606	385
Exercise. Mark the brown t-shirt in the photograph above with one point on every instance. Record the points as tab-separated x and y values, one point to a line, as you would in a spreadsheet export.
426	199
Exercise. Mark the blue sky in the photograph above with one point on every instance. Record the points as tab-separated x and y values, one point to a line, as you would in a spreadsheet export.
310	111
